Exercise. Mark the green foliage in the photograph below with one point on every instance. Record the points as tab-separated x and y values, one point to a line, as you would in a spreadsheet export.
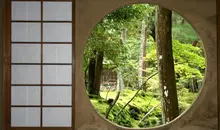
183	32
185	98
188	62
186	53
139	107
187	59
106	36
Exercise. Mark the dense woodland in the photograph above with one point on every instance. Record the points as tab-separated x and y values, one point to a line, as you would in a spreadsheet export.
143	66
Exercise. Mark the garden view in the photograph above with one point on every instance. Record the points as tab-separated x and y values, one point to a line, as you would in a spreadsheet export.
143	66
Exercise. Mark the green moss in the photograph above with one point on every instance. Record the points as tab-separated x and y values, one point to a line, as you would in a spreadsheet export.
133	112
141	104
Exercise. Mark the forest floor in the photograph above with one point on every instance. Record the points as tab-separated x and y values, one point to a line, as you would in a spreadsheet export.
141	105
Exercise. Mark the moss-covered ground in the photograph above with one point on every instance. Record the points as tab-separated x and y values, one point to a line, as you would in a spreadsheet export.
136	109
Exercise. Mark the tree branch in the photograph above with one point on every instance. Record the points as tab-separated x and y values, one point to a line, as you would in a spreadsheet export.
117	115
147	114
112	105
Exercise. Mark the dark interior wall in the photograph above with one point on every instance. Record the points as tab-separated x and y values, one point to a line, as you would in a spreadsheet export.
1	57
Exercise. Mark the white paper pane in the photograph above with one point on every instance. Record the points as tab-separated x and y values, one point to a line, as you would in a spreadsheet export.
25	74
57	117
26	32
25	117
57	11
57	74
57	95
26	53
57	32
57	53
25	95
26	10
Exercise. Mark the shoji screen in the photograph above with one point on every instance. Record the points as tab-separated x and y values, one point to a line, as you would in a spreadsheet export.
40	93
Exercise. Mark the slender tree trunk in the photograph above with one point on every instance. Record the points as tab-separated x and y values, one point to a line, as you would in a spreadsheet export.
192	85
194	80
142	61
98	72
141	55
145	64
165	64
86	77
120	82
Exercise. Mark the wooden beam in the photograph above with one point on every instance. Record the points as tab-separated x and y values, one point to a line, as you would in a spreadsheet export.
218	59
73	62
6	65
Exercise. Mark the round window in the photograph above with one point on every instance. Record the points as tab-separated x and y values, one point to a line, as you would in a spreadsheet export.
143	66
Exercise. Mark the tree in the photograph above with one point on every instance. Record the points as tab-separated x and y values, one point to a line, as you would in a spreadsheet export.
91	74
104	43
98	72
94	72
145	31
166	64
142	66
120	82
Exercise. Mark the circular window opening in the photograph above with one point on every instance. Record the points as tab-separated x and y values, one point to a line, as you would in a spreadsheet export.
143	65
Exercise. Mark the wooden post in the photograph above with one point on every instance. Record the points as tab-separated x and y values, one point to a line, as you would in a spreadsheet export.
218	59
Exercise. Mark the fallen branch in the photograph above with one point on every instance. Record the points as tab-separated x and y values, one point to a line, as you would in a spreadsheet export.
112	105
147	114
117	115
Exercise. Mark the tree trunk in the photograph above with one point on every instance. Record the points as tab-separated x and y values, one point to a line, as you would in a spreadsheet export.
141	68
91	74
145	64
120	82
142	61
98	72
165	64
94	74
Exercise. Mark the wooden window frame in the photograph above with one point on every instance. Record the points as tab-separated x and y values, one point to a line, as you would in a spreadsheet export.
7	67
218	58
